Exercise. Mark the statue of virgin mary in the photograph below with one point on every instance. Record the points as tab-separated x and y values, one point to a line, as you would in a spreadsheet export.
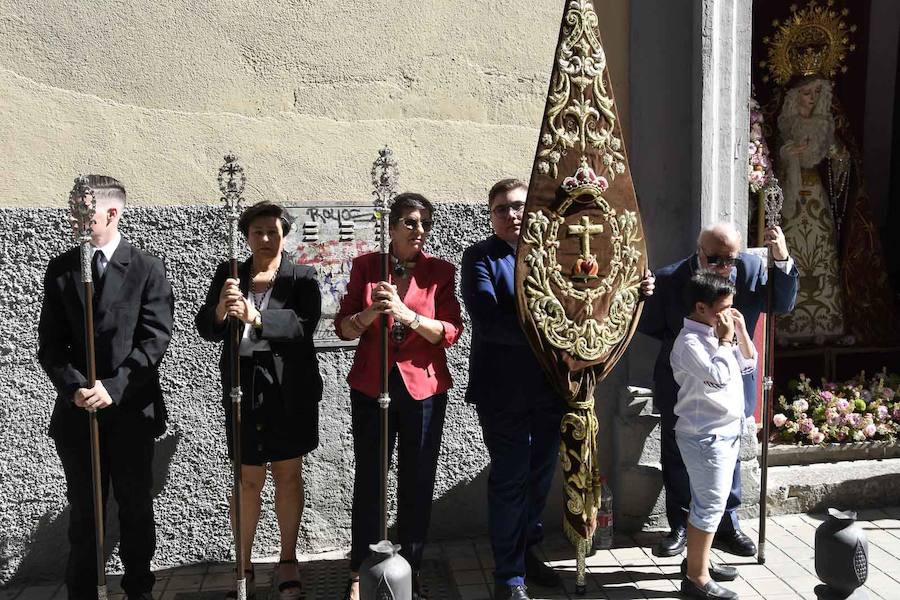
845	295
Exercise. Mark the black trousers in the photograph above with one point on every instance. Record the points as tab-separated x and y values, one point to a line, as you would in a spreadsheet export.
419	425
126	459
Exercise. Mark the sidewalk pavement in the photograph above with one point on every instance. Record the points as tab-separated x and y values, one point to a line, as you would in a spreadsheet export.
461	569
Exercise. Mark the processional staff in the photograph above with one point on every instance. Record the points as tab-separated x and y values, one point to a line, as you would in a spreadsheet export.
376	581
231	183
82	208
384	178
774	199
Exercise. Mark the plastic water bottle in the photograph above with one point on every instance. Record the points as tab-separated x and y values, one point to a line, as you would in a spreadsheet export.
603	536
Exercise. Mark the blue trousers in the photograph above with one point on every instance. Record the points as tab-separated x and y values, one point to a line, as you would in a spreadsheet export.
419	425
522	438
675	475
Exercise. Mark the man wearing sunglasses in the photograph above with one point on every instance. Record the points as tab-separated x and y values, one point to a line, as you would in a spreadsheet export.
718	251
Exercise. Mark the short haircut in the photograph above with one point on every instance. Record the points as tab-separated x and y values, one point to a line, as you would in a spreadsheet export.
406	202
505	186
706	287
263	209
106	188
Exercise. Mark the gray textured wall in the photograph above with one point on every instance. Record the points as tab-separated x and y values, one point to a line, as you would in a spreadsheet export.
191	465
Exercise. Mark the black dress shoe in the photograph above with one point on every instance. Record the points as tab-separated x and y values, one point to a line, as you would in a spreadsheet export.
734	542
537	571
716	571
710	590
673	544
510	592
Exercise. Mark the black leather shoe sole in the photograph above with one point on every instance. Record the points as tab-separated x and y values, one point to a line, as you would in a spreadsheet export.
716	571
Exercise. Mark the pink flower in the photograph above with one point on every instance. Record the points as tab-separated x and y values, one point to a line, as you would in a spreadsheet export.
779	420
826	396
881	413
832	417
896	414
602	183
843	404
888	393
806	426
817	437
870	430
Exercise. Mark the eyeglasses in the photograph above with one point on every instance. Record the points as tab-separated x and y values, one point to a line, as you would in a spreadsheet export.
500	210
412	224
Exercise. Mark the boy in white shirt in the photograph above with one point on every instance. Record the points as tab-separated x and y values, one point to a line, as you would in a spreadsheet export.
708	364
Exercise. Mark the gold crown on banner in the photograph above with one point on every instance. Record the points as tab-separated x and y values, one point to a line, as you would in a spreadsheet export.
585	181
812	41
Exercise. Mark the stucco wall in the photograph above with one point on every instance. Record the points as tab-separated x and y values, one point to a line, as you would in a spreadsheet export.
305	91
192	473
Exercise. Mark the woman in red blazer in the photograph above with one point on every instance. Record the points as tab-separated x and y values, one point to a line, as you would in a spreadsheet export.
424	317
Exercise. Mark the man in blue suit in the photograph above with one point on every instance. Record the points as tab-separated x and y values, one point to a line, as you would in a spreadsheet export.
718	249
518	410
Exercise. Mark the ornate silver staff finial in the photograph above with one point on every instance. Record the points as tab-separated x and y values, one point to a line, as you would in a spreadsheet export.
82	208
774	202
231	182
385	175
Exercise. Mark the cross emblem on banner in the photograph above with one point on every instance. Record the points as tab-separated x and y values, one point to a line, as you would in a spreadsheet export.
585	231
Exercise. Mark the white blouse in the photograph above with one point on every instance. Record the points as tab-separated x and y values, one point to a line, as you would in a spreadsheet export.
250	343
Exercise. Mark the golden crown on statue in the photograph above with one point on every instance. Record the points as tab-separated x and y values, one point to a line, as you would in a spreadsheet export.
812	41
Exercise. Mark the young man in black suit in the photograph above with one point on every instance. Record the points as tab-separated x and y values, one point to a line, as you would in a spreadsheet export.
133	314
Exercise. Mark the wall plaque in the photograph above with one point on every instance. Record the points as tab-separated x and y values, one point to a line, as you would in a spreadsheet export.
328	236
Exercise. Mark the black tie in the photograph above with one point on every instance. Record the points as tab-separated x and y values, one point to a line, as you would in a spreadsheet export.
97	270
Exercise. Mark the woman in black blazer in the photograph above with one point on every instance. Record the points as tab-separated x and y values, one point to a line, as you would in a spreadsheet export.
279	304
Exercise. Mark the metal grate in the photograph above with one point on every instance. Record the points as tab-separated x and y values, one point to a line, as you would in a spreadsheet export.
327	580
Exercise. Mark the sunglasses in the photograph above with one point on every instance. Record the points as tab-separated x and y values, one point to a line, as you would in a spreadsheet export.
412	224
721	261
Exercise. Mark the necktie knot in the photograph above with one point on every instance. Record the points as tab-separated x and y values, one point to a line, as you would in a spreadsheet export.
98	265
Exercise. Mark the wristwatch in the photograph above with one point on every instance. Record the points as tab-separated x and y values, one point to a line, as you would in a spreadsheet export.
414	324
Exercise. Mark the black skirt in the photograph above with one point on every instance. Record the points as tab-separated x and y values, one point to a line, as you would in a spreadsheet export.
269	431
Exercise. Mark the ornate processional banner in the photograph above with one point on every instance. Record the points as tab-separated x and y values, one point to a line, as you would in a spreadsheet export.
581	254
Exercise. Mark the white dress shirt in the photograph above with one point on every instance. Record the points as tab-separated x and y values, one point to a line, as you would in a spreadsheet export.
711	394
108	250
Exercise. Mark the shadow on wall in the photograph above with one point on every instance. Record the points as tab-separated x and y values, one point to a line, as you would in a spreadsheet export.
48	547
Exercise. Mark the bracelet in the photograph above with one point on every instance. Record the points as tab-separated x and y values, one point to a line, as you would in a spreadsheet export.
725	342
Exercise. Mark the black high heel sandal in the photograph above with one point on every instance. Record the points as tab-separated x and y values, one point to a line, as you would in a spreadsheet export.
290	589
